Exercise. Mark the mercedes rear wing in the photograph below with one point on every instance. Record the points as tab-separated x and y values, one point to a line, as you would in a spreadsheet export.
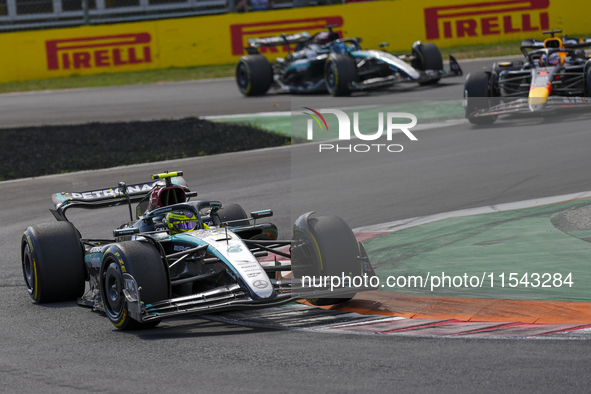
255	43
103	198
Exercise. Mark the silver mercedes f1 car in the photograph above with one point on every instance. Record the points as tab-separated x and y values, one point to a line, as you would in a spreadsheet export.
180	257
327	63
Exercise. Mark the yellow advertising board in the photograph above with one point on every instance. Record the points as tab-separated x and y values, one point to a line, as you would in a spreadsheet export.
220	39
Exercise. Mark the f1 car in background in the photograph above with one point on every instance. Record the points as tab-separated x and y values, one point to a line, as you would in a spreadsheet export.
556	74
181	257
325	62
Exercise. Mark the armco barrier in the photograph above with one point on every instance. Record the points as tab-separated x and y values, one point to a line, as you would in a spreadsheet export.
219	39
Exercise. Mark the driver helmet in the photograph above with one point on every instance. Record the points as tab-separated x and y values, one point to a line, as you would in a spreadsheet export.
181	221
551	60
321	38
339	48
554	59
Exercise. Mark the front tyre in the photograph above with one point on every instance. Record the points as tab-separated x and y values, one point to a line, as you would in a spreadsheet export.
254	75
478	94
338	251
426	56
339	72
233	213
142	261
53	262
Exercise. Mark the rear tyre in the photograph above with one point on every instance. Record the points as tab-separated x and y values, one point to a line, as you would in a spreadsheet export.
477	91
339	72
143	262
53	262
426	56
588	82
254	75
233	213
338	252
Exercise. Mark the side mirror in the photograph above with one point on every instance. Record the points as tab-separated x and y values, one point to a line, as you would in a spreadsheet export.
215	206
261	214
125	231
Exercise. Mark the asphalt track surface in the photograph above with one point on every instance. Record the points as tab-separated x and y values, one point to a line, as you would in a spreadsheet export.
64	348
182	99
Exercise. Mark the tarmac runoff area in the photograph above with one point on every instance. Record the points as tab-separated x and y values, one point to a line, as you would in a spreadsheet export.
543	236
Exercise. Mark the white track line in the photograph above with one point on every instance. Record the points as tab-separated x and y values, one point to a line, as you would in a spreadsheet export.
417	221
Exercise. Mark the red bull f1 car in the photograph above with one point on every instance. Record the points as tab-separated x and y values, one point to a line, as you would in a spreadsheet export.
556	74
327	63
179	257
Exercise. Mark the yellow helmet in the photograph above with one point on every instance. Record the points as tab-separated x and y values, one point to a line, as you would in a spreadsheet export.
181	221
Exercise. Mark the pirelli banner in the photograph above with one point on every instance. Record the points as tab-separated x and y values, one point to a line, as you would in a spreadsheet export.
221	39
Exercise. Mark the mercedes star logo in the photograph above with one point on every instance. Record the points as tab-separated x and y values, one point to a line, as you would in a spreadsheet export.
260	284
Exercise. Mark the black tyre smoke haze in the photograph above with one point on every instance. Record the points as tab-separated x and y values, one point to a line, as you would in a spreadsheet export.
35	151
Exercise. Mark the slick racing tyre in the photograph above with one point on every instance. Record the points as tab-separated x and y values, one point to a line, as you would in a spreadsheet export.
142	261
426	56
588	82
338	252
339	72
254	75
53	262
477	94
233	213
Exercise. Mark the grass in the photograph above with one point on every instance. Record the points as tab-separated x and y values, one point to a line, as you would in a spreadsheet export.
462	52
484	50
206	72
118	79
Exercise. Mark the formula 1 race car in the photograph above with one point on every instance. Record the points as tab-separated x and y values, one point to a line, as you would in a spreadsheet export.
181	257
325	62
556	74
